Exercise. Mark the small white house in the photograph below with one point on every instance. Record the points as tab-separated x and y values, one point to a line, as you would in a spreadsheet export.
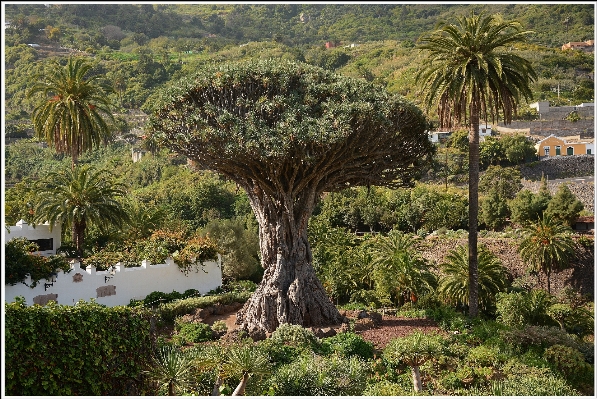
436	137
47	239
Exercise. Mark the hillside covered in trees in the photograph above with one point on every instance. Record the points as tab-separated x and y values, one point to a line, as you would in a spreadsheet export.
140	47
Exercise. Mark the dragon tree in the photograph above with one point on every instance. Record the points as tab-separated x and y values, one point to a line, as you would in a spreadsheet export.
287	132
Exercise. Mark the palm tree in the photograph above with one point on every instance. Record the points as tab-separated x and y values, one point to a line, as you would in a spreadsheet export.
547	246
398	271
470	71
71	117
455	283
173	369
77	197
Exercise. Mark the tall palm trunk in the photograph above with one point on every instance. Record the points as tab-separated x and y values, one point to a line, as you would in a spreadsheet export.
78	236
473	207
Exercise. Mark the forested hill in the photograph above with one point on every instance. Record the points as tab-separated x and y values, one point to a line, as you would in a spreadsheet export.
294	24
139	48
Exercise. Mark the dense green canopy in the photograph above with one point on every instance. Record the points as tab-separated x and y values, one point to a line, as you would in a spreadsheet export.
293	121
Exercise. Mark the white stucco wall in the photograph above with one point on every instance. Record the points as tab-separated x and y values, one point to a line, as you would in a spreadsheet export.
39	232
119	287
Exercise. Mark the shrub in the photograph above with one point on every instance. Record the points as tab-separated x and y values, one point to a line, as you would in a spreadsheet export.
219	326
484	356
387	388
569	362
84	349
313	375
294	334
19	262
169	311
515	309
542	337
280	354
534	385
193	332
349	344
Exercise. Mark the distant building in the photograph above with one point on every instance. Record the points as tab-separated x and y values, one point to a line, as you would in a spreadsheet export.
330	44
436	137
588	46
553	146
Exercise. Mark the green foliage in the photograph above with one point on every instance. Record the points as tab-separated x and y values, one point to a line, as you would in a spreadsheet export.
240	246
20	262
192	333
349	344
518	149
313	375
454	285
88	349
568	361
530	381
459	140
293	334
528	207
399	273
516	309
196	251
564	206
541	337
494	210
414	349
172	370
169	311
71	117
506	181
547	246
78	197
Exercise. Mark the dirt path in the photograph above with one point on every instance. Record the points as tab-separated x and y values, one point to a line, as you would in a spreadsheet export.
391	327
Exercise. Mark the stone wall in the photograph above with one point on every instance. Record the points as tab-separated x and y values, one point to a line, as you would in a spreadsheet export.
560	167
584	127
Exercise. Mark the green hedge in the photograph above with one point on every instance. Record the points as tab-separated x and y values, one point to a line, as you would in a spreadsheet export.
84	349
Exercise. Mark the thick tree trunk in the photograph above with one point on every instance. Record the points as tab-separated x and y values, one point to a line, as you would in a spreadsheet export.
473	209
416	374
290	291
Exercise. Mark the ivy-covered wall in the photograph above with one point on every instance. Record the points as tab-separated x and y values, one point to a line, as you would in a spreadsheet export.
87	349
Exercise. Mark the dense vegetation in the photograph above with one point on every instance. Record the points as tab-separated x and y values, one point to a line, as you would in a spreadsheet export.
366	241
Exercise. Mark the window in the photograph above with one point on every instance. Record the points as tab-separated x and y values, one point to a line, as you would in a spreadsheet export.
558	150
546	149
44	244
588	151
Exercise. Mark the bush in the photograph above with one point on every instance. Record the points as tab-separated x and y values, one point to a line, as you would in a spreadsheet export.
541	337
516	309
19	262
484	356
293	334
84	349
534	385
387	388
192	333
313	375
569	362
169	311
349	344
280	354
